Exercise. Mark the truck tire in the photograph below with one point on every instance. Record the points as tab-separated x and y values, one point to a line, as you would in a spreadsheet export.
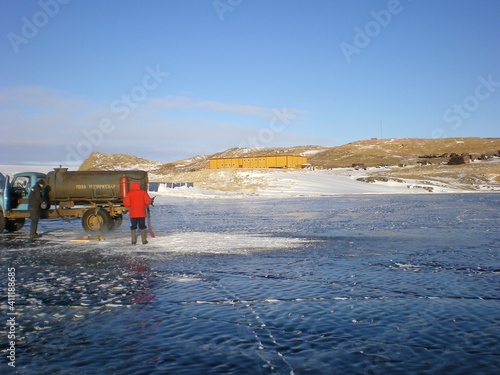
96	220
14	225
3	222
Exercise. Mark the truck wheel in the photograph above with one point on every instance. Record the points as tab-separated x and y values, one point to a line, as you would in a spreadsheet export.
116	222
3	222
14	225
96	221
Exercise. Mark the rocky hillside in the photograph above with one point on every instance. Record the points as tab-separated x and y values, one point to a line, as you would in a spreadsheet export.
99	161
107	162
407	153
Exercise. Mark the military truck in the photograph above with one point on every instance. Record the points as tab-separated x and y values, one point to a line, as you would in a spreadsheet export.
94	196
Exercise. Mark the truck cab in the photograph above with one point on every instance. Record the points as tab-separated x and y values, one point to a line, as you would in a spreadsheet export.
14	196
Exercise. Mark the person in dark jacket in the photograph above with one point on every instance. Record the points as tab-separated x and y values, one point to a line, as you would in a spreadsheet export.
35	201
137	200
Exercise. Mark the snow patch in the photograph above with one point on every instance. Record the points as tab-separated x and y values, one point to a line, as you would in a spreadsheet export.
302	183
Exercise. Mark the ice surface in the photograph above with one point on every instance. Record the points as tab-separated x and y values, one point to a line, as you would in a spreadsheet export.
359	283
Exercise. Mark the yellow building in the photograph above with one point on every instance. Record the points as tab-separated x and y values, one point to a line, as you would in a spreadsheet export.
275	161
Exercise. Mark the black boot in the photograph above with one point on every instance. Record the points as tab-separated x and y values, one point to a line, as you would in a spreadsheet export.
34	236
134	236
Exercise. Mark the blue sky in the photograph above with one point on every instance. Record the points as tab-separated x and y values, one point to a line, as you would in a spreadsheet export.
169	79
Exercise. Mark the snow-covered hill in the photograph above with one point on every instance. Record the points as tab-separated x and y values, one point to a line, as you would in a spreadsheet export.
331	173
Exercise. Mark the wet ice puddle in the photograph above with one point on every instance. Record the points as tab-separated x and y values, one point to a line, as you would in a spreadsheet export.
213	243
175	242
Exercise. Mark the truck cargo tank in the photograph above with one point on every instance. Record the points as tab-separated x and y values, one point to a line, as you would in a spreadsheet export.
82	187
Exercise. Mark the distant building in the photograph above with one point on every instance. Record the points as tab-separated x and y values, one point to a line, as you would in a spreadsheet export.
275	161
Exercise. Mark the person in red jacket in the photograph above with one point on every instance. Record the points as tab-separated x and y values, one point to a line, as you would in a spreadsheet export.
137	200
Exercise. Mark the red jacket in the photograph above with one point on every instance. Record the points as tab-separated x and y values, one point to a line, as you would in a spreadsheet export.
137	200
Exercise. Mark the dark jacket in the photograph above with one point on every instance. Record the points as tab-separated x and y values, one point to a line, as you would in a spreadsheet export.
137	200
35	199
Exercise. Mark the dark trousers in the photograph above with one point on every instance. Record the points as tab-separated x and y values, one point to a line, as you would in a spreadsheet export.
141	221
